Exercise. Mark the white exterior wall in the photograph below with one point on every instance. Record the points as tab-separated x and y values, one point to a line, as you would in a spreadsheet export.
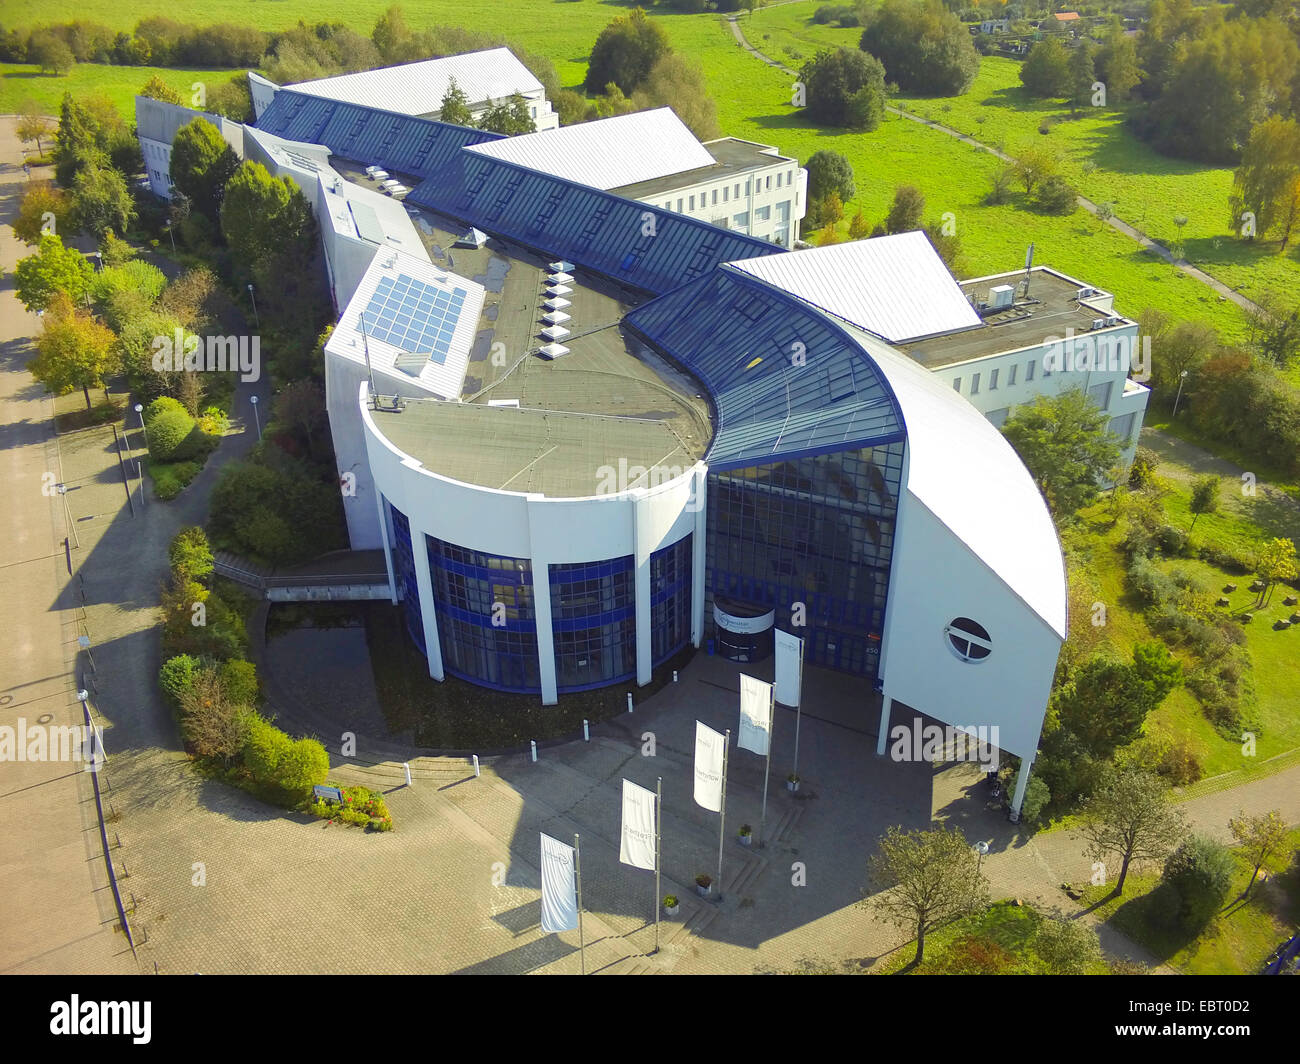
759	192
935	579
521	525
539	110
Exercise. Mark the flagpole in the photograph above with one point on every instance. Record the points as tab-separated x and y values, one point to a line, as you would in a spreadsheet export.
798	712
722	814
577	868
659	801
767	765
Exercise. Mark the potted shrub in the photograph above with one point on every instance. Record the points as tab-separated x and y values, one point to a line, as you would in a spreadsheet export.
746	834
704	884
792	782
670	904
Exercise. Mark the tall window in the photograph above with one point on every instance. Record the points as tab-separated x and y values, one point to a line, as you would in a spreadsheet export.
404	574
1011	374
993	380
593	617
975	384
670	599
1029	371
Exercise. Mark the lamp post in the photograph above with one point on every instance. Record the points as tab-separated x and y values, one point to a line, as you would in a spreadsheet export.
256	420
67	513
1181	377
139	410
981	848
253	299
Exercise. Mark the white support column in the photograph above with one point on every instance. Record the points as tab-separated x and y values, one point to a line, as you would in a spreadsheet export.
642	547
382	503
545	632
699	542
886	704
424	580
1022	781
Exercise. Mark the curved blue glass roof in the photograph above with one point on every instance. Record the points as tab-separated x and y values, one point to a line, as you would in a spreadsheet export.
785	380
420	146
643	246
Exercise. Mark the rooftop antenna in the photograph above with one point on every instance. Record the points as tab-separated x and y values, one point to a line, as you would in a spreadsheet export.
1029	264
365	343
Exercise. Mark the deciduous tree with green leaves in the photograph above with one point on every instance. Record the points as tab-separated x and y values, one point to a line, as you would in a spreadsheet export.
202	164
1275	562
455	106
625	52
1260	837
1064	440
1267	182
33	126
926	878
1131	818
1205	497
44	209
73	351
157	89
53	269
102	200
263	215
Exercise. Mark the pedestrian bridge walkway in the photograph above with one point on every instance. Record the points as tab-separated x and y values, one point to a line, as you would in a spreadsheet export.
340	576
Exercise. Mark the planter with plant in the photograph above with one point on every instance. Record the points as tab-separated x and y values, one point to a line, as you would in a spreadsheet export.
746	834
671	904
792	782
704	884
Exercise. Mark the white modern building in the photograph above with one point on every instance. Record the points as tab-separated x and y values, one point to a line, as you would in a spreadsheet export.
417	89
156	126
651	156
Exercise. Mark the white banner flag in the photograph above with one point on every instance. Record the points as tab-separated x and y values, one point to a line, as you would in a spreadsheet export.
559	899
637	844
755	714
709	749
789	668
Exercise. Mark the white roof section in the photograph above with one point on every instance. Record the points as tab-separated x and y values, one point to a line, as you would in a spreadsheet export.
608	153
894	286
963	470
442	379
418	88
355	211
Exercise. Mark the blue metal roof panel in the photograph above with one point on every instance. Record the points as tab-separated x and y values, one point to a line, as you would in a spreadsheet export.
783	377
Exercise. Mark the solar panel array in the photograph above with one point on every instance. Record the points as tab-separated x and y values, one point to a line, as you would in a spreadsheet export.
784	378
646	247
420	146
413	316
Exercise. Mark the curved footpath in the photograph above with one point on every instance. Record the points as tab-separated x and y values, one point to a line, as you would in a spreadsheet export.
1115	223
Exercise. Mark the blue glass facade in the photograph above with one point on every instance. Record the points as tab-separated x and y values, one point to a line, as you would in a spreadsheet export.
593	617
670	599
816	531
486	622
404	574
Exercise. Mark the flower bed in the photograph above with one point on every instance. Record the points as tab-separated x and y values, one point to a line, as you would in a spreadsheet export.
361	807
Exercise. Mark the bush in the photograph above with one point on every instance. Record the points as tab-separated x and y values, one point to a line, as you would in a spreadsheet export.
171	478
1180	764
239	678
275	760
1172	539
174	436
1037	795
177	676
1057	196
1200	874
361	806
162	405
190	554
1067	947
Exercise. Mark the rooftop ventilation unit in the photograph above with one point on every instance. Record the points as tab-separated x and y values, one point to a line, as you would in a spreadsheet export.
1099	323
1112	320
504	402
1001	296
1087	293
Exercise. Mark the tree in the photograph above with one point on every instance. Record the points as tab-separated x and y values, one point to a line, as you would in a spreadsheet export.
906	211
1104	705
74	350
263	215
1117	64
1260	837
830	171
948	245
53	269
859	227
932	876
923	46
102	200
1205	497
1275	562
1082	74
202	164
157	89
1034	165
44	209
1275	328
677	82
1159	671
1000	184
1067	947
301	407
1131	817
51	53
844	87
827	211
1064	440
1046	70
214	723
1199	873
1267	182
455	106
625	52
393	38
509	117
1057	196
92	133
33	126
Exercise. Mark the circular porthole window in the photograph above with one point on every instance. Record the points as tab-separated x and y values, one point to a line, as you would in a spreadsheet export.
968	640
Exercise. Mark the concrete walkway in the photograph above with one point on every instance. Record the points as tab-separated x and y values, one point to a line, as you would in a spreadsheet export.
1118	224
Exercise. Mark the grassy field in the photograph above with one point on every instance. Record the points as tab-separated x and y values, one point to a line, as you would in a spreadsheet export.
119	83
1237	942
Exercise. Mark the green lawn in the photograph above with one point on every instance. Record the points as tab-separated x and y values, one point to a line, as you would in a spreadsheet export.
1237	942
19	83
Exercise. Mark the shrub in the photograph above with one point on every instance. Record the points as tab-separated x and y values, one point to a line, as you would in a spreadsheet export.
171	478
977	955
162	405
1067	947
361	806
1180	764
239	678
1037	795
173	435
265	748
1172	539
190	554
177	676
1057	196
1199	873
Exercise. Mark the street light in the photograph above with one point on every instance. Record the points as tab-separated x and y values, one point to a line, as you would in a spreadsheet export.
257	420
139	409
253	299
1181	377
67	513
981	848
